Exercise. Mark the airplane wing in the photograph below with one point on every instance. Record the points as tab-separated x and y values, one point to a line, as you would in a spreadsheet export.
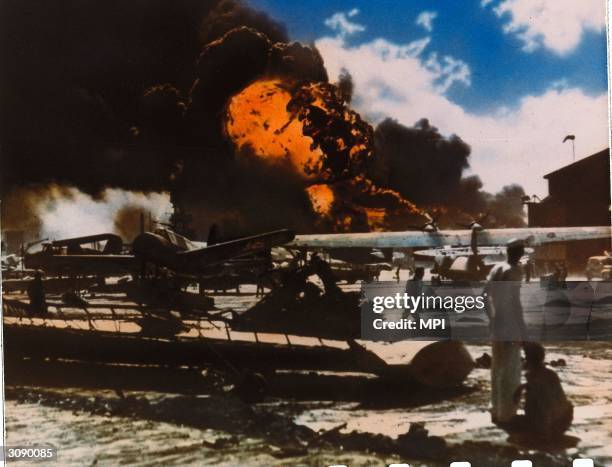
533	236
114	243
237	248
87	239
81	263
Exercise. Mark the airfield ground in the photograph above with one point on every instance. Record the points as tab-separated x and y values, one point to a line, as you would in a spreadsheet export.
94	426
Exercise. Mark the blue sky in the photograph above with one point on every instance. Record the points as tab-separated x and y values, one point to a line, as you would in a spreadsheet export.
501	72
516	69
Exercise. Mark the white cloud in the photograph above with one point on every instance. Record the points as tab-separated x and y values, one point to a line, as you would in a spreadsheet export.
341	23
517	145
554	24
438	73
426	19
448	71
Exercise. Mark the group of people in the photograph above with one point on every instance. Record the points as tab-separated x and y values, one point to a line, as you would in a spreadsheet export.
547	411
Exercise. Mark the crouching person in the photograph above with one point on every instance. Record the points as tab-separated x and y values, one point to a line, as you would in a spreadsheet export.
548	413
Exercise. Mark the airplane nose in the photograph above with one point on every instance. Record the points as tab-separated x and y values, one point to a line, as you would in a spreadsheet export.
143	244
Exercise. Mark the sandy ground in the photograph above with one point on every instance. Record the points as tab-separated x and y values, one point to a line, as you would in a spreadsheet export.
86	439
587	380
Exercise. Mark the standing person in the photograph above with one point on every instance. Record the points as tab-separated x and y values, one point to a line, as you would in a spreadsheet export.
410	261
563	275
414	286
528	270
36	294
507	331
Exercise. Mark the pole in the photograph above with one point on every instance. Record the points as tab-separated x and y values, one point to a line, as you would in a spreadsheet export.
573	150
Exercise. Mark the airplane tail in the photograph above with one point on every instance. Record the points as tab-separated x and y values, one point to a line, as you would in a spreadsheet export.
213	235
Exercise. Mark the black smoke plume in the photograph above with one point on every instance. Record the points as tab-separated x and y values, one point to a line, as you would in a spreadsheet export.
97	94
73	76
80	94
428	169
418	162
231	14
346	85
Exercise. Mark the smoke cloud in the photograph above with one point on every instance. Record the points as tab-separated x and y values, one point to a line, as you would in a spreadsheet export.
231	14
97	118
428	169
55	211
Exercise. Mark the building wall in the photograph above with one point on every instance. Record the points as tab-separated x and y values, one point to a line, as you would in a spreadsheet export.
579	195
585	180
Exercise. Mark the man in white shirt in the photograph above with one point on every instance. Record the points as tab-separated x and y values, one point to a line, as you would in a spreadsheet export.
507	332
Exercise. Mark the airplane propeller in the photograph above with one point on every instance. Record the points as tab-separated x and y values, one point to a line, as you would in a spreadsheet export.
475	226
477	223
430	226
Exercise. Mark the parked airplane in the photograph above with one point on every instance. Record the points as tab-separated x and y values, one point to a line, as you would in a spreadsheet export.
533	236
173	251
97	255
467	267
163	247
166	248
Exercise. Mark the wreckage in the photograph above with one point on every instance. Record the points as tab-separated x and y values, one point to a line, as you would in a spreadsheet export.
155	320
295	327
145	340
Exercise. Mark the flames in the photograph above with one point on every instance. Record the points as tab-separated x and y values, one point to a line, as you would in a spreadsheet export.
257	118
361	206
346	141
322	198
310	127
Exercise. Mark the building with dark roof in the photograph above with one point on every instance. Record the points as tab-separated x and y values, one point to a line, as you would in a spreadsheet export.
578	195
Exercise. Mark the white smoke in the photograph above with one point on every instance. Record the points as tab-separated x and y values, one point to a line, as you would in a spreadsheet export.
68	212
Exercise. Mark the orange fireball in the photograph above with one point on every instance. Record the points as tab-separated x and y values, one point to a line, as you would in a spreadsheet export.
257	117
